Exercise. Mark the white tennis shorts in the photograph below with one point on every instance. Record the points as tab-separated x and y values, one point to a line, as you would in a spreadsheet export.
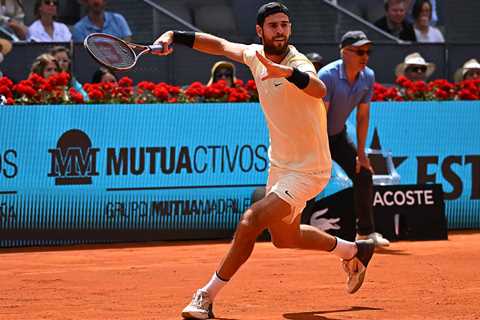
295	187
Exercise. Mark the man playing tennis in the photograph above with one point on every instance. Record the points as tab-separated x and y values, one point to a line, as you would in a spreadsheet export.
300	163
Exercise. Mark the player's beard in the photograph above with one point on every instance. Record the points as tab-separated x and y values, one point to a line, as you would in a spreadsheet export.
270	48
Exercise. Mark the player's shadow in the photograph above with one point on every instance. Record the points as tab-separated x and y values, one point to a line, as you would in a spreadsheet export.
318	315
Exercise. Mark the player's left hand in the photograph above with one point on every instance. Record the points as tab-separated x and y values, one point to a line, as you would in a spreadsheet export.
274	70
363	161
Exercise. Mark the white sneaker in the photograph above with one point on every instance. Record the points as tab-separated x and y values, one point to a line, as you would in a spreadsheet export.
377	238
201	307
357	266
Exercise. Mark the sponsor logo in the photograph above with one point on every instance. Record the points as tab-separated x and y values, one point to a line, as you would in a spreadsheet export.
288	194
324	224
74	160
404	198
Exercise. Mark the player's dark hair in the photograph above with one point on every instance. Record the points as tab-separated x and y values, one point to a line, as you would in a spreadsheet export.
269	9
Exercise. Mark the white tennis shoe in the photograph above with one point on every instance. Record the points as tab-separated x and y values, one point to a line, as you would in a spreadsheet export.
201	307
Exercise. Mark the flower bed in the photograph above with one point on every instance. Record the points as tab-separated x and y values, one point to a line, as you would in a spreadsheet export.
57	90
440	90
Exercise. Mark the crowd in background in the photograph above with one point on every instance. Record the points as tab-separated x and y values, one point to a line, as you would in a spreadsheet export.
408	20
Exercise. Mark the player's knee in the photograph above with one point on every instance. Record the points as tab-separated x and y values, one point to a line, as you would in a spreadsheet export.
249	223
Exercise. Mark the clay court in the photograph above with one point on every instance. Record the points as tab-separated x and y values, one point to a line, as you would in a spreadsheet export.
409	280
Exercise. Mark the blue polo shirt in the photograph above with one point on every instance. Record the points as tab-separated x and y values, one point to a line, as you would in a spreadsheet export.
114	24
342	96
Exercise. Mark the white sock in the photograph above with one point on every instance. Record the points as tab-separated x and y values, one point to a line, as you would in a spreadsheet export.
214	286
344	249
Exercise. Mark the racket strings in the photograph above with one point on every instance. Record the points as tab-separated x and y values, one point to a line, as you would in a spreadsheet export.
111	52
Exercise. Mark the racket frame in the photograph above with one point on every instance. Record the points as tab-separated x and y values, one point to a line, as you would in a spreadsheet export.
130	46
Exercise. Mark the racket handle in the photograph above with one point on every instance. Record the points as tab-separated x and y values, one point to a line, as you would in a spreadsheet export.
156	47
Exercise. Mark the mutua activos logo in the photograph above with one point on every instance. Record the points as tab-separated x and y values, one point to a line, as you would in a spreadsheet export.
74	160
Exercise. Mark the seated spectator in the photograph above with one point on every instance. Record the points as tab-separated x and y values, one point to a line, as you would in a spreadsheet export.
12	14
99	20
102	74
469	71
63	57
316	59
45	29
415	68
433	20
394	21
5	48
45	65
424	32
223	70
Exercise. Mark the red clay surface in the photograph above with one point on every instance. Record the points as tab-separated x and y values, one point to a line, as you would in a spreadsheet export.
410	280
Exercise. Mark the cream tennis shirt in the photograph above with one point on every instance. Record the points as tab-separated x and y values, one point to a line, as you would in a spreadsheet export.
297	121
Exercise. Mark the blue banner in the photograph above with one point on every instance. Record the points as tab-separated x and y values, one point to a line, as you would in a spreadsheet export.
177	169
171	169
434	142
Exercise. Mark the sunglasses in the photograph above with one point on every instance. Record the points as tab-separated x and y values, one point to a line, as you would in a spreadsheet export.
361	52
51	2
417	69
223	74
472	73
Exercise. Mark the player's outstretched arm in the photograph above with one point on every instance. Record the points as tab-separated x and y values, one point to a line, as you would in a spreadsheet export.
306	81
202	42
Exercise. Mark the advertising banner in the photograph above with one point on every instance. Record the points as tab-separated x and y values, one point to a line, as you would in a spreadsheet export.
434	142
129	172
401	212
187	171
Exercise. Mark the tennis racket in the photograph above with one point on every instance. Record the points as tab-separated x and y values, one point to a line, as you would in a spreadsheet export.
115	53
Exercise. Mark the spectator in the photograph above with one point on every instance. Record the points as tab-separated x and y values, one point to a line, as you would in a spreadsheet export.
45	65
469	71
316	59
103	74
5	48
394	21
422	15
99	20
415	68
12	14
45	29
64	59
223	70
433	21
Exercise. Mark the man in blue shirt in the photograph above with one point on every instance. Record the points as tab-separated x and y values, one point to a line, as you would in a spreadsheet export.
99	20
349	85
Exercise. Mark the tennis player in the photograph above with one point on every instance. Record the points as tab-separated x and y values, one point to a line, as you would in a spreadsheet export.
300	164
